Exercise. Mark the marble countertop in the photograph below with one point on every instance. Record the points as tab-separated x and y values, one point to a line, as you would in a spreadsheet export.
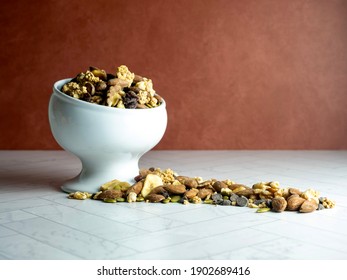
38	221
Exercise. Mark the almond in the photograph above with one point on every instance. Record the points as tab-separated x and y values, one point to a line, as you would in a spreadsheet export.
247	192
203	193
181	179
237	186
136	188
155	197
160	190
294	202
191	193
218	186
294	191
191	183
110	194
308	206
279	204
175	189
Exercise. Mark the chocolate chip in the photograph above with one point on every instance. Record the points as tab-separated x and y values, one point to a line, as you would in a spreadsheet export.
226	202
233	197
320	207
217	198
242	201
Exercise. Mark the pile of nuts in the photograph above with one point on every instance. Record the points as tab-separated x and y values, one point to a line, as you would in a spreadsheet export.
165	186
122	90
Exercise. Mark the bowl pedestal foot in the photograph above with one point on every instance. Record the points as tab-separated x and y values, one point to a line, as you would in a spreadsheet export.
94	173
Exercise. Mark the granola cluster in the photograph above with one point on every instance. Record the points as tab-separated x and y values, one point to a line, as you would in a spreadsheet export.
123	89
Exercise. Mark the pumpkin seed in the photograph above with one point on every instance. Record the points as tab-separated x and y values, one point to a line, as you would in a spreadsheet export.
175	198
208	201
110	200
263	210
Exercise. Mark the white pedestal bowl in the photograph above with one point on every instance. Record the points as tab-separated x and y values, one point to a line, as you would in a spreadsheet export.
108	141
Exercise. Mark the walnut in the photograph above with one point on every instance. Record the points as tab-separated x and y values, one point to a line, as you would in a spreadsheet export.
327	203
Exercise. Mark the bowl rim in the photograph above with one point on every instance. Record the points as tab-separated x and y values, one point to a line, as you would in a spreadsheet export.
57	90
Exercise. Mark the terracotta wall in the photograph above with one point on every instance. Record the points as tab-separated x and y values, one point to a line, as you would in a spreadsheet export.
251	74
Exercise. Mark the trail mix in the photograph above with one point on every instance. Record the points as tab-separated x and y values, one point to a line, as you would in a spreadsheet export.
164	186
123	89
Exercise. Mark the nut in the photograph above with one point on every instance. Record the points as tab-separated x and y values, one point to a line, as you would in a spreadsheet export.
182	179
110	194
175	189
136	188
191	193
155	198
326	203
308	206
294	202
237	187
279	204
247	192
203	193
218	186
160	190
190	183
294	191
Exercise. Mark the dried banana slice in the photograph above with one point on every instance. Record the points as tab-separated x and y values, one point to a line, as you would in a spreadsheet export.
152	181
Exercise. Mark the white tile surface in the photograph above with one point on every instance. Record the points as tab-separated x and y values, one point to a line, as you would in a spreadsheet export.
37	221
